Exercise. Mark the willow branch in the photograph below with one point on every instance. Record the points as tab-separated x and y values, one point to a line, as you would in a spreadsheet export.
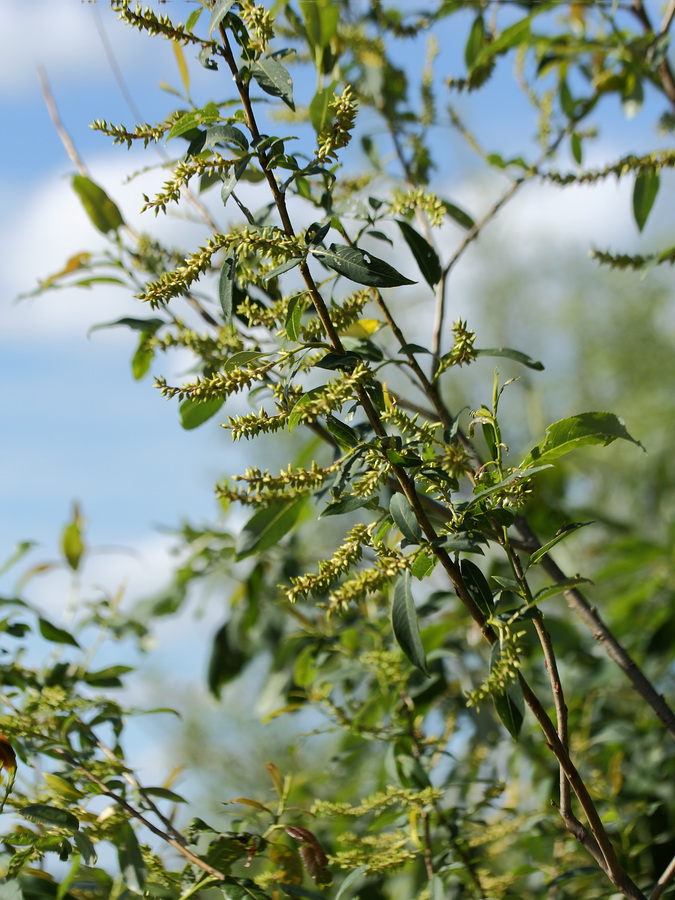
136	814
664	880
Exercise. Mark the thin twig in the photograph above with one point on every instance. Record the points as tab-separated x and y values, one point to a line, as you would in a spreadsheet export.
664	880
66	140
136	814
590	617
667	18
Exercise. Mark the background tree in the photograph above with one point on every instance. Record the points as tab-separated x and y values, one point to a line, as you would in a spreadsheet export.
463	732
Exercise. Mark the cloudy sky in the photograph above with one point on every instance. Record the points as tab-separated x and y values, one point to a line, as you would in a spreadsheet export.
76	425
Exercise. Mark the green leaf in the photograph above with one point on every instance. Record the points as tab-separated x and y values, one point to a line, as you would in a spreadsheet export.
510	709
458	215
575	147
478	587
404	517
147	325
577	431
558	588
512	354
193	18
109	677
515	34
405	624
59	785
218	12
345	505
298	410
190	120
227	659
164	794
231	178
343	434
474	42
72	540
459	543
321	20
274	79
85	848
224	134
424	565
242	889
54	634
284	267
50	816
425	255
267	527
346	891
194	413
226	284
562	533
644	194
143	356
132	867
103	213
22	548
296	307
319	105
361	267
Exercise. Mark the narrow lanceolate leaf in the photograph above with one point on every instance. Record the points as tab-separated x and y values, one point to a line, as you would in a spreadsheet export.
242	889
405	624
458	214
404	517
267	527
193	413
361	267
478	587
130	858
425	255
319	114
512	354
226	284
55	634
346	891
644	194
577	431
102	211
274	79
559	587
225	134
218	13
231	178
182	65
563	533
299	410
509	707
51	816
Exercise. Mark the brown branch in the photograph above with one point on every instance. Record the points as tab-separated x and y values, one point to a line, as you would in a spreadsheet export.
59	127
136	814
590	617
664	880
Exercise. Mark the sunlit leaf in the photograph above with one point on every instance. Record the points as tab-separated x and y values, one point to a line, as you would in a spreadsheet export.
218	12
361	267
563	533
577	431
274	78
182	65
102	211
194	413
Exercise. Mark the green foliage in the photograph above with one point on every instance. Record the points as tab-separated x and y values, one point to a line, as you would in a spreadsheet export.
466	737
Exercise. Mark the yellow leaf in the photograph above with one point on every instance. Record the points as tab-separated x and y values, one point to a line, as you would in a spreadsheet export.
362	329
182	66
73	264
